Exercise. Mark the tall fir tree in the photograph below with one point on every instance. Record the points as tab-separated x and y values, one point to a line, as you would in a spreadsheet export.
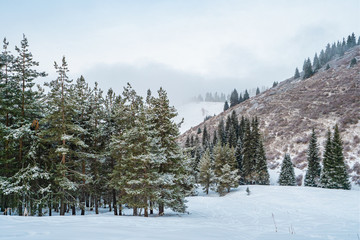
316	63
312	176
297	74
307	68
340	178
206	176
234	98
328	162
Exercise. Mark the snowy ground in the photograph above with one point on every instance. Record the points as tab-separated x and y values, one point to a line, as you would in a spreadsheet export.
299	213
195	113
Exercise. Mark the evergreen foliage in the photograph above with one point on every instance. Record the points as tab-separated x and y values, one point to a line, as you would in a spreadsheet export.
334	173
206	176
287	174
353	62
297	73
225	169
234	98
307	68
312	176
226	106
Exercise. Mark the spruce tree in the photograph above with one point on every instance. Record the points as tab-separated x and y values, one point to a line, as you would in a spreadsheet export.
287	174
257	91
225	169
312	176
205	138
262	174
226	106
328	163
297	74
62	133
206	176
221	132
239	159
316	63
25	73
249	163
234	98
340	178
307	68
246	95
172	193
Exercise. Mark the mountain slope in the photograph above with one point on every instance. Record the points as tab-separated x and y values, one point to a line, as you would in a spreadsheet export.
288	112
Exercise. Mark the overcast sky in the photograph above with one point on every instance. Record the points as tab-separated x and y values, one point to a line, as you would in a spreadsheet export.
188	47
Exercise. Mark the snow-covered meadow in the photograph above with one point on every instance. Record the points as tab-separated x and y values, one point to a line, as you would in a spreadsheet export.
299	213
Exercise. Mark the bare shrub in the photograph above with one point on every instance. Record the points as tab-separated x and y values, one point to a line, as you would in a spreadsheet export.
299	179
356	168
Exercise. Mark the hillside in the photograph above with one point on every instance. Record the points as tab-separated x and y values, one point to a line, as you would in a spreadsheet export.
288	112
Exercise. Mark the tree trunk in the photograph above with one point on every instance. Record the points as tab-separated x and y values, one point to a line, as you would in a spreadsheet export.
114	202
151	208
120	209
161	209
40	210
20	209
87	200
50	208
73	210
146	212
135	213
96	204
62	207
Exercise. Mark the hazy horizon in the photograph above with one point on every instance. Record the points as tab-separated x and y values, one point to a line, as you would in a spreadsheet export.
187	47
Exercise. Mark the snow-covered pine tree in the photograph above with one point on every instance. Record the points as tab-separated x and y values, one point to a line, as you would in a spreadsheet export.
340	178
328	163
81	96
62	134
262	174
25	111
9	93
239	159
25	73
249	163
312	176
138	156
96	144
173	174
113	123
287	174
206	176
225	169
229	179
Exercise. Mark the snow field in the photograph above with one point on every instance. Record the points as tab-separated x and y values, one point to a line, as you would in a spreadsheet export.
299	213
